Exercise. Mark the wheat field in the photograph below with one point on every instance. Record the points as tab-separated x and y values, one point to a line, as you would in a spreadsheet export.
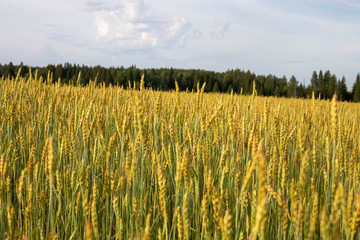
100	162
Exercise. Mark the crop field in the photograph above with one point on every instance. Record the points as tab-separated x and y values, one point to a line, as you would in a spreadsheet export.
100	162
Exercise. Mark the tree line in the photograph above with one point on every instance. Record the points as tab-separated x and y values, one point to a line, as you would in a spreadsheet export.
323	84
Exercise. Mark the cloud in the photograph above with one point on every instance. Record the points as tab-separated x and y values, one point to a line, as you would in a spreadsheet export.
131	24
219	28
177	31
103	28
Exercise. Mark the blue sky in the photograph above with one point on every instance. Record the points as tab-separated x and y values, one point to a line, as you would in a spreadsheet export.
280	37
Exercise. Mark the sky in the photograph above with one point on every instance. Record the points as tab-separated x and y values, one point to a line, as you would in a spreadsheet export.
279	37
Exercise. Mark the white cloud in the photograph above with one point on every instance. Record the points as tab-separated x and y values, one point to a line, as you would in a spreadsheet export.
130	24
103	28
219	28
177	31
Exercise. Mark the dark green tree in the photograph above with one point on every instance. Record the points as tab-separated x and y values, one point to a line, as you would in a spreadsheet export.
301	92
322	85
59	72
292	87
356	89
10	70
164	79
314	82
325	83
343	94
230	89
216	87
332	87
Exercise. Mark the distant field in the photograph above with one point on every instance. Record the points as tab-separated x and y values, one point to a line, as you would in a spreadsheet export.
108	163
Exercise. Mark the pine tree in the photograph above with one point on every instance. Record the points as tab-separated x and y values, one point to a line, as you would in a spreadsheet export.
332	87
343	95
314	82
292	87
325	83
322	86
356	89
10	70
216	87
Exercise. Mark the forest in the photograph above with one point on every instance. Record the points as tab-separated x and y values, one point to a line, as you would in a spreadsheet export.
323	83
